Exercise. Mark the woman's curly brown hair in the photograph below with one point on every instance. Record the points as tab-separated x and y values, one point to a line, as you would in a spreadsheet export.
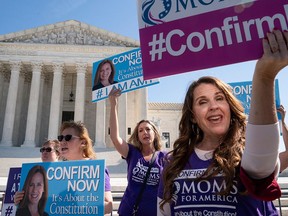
226	158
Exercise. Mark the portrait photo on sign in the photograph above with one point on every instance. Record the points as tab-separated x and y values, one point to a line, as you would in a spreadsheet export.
122	71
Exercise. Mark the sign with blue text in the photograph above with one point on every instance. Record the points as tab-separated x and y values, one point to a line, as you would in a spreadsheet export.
122	71
63	188
13	181
243	90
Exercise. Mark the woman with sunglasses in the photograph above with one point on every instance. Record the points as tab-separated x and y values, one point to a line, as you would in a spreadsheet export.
75	144
50	151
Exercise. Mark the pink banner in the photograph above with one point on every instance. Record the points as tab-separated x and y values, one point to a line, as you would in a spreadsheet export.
216	38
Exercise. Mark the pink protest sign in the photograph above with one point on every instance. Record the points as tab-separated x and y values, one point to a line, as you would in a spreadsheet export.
217	33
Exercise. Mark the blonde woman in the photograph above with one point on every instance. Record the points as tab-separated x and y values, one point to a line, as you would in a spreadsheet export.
75	144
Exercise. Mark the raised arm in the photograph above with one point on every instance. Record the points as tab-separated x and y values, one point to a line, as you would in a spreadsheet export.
275	58
120	144
262	135
283	156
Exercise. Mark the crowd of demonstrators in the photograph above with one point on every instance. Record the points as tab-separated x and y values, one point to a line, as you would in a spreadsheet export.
36	185
218	163
142	152
283	156
75	144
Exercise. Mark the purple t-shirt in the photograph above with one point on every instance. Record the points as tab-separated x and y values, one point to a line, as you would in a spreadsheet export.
136	171
107	180
202	198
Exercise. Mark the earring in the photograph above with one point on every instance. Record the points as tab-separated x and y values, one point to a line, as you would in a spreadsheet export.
232	121
195	129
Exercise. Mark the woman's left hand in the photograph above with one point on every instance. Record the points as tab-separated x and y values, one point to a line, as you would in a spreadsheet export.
113	95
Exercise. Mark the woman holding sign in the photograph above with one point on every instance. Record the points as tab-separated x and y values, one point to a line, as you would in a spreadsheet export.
145	163
104	74
75	144
36	187
219	165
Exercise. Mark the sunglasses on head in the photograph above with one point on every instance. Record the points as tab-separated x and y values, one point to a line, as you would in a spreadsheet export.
43	149
67	137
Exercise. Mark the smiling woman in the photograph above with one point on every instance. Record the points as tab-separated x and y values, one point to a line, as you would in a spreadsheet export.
237	159
36	187
104	74
75	144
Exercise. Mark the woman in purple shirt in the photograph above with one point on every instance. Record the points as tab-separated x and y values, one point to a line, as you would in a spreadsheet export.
142	148
220	164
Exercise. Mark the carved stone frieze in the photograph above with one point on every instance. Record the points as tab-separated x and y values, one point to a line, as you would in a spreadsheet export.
70	32
95	52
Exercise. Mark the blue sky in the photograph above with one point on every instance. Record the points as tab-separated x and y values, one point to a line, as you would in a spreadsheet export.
119	16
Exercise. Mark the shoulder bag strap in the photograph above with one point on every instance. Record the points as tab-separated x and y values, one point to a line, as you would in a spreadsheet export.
145	180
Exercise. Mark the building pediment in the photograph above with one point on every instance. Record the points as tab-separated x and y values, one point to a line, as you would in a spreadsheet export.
70	32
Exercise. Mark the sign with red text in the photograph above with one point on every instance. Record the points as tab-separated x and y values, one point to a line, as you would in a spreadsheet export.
178	36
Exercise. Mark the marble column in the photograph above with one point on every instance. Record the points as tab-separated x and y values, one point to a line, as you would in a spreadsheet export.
11	104
1	81
80	92
43	114
54	119
122	116
100	124
33	105
3	92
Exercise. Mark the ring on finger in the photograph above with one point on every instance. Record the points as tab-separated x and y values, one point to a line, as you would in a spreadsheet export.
275	49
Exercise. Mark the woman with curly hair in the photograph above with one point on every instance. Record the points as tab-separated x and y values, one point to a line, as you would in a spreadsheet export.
220	166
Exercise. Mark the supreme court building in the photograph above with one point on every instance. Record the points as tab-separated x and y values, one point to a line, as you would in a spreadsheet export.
45	79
